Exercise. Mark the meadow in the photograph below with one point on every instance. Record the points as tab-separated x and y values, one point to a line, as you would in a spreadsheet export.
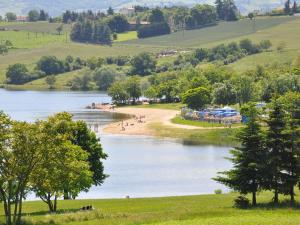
277	29
187	210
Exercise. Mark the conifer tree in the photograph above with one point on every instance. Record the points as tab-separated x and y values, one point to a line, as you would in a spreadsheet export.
248	160
291	103
278	178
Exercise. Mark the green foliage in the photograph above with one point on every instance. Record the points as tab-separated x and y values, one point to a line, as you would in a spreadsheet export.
91	31
197	98
50	65
51	80
227	10
118	23
224	94
104	78
143	64
10	16
154	29
17	74
156	16
33	15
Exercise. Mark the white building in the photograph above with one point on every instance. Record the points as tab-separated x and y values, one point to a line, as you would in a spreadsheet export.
127	11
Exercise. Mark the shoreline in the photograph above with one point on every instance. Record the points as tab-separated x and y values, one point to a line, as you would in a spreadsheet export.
142	121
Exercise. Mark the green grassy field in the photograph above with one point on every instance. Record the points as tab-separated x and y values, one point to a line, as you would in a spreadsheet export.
277	29
189	210
197	123
132	35
41	27
225	31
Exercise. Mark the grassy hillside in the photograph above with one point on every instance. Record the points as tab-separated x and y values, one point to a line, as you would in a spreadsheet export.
35	27
210	35
277	29
190	210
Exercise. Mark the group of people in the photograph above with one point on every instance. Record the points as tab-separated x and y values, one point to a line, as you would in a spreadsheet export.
138	119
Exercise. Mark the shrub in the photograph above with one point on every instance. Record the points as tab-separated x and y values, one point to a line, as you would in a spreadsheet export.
218	192
242	202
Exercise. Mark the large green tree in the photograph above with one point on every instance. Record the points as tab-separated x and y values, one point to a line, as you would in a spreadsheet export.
277	147
197	98
143	64
248	160
17	74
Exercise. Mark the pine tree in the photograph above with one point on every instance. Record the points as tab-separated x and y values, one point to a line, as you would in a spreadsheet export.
276	144
287	7
291	103
295	7
248	160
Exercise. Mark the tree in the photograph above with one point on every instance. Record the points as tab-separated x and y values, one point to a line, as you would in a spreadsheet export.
154	29
224	94
59	29
3	49
295	8
33	15
133	88
156	16
17	74
276	142
287	7
43	15
118	23
143	64
104	78
226	10
51	80
20	154
110	11
244	86
248	160
102	34
50	65
291	104
197	98
118	93
11	16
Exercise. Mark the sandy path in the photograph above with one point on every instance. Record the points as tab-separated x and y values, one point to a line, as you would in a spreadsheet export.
149	116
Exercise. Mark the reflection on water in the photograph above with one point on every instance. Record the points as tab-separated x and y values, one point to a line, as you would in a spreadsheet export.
138	166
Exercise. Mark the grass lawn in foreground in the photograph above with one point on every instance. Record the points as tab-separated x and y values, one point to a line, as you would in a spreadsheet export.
189	210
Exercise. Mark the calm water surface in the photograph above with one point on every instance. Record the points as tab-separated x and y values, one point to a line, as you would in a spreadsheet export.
138	166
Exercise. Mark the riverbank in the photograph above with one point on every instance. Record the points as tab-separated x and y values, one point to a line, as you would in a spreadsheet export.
153	121
188	210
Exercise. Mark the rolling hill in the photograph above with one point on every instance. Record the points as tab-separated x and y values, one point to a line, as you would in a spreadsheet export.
55	7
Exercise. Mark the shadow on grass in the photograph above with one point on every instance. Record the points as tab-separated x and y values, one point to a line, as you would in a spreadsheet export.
271	206
58	212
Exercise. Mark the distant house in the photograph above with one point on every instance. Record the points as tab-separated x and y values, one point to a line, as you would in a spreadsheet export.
133	24
130	11
22	18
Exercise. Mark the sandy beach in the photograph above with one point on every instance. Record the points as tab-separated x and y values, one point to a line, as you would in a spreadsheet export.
141	121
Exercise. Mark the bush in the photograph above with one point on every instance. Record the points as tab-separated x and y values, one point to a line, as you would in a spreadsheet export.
242	202
152	30
218	192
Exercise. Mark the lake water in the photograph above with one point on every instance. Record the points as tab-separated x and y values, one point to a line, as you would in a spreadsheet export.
138	166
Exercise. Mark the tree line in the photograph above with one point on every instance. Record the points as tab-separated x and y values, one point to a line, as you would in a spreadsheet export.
268	157
47	65
199	86
53	158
